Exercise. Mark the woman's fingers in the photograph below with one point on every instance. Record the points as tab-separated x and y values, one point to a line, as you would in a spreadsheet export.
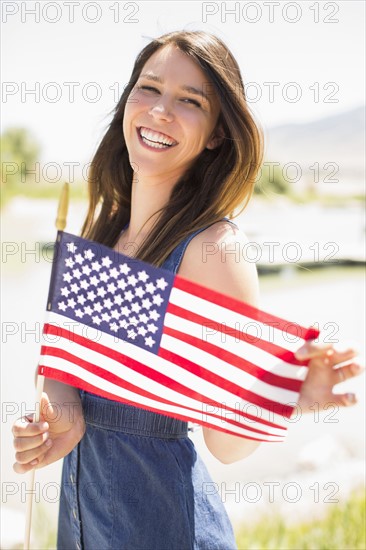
25	427
346	372
331	355
28	457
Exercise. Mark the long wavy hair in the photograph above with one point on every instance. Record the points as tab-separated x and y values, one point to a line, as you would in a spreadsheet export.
217	184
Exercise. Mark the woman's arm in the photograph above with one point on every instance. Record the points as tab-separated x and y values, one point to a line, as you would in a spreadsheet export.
215	258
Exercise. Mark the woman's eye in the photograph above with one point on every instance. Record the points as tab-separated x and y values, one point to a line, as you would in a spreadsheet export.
148	88
192	101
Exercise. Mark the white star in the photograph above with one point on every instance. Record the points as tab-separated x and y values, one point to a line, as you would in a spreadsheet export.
158	300
146	303
79	313
112	288
104	277
89	255
94	280
132	280
62	306
107	303
77	273
91	295
101	291
69	262
143	318
124	269
106	261
143	276
135	307
114	273
131	334
81	299
96	266
97	307
129	296
67	277
86	270
123	323
88	310
106	316
161	283
118	300
149	342
96	320
71	303
75	288
125	311
71	247
142	331
79	259
152	328
114	327
122	284
84	284
115	314
65	291
150	288
154	315
139	291
133	320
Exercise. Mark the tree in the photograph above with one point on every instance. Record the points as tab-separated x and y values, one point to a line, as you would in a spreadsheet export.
19	152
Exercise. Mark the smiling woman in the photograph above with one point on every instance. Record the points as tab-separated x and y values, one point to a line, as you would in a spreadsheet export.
181	153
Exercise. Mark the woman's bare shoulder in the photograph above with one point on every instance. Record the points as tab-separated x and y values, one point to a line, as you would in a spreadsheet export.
216	258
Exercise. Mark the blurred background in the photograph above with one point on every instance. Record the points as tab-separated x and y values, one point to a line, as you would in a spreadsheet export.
64	66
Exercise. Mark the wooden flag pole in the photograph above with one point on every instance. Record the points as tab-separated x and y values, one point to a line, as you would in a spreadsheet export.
60	226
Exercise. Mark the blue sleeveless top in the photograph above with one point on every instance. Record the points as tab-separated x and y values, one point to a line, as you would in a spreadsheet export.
136	482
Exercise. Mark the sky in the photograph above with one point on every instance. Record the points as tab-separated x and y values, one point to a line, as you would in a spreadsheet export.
300	61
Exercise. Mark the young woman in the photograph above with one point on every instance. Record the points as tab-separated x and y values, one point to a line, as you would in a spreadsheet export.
181	154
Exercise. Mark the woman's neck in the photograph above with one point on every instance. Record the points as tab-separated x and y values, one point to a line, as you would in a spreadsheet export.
148	196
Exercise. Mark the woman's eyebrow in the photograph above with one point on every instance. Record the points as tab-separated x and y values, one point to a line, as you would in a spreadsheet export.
189	89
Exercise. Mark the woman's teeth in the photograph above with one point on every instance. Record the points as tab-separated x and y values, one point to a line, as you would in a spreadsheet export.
155	140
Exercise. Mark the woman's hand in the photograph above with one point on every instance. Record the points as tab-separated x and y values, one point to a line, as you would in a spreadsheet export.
324	374
38	444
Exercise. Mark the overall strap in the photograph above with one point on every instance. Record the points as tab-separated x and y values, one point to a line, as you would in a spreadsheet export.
174	259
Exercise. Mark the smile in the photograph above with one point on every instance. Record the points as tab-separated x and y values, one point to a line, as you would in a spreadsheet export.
155	140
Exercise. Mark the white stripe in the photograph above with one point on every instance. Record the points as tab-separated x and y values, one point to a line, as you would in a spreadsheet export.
250	352
213	392
65	366
226	370
220	315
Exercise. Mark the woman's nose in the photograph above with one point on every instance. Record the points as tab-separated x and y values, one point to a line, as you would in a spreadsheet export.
162	109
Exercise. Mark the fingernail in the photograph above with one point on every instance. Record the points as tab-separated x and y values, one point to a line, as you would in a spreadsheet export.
355	368
351	398
48	443
34	462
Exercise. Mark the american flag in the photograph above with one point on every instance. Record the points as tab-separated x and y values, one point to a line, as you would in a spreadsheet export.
128	331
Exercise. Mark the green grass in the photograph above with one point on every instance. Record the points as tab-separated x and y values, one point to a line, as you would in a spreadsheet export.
78	190
343	528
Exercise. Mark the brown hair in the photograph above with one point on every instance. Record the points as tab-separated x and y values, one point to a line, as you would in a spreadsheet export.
220	180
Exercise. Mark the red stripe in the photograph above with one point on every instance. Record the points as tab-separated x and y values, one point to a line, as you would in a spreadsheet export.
198	370
269	347
236	361
72	380
244	309
150	374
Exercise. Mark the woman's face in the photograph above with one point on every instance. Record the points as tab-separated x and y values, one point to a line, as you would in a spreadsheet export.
170	115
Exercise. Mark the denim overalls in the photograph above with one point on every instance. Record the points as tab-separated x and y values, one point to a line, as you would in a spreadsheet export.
136	482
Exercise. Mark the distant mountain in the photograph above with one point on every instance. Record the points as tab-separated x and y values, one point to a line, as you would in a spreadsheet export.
338	138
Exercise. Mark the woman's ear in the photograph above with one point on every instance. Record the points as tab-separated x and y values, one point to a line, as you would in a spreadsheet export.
216	138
